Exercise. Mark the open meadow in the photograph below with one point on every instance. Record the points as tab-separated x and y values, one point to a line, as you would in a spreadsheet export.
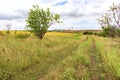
58	56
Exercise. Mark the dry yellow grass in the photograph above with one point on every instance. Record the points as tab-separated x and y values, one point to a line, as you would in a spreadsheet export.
58	34
57	55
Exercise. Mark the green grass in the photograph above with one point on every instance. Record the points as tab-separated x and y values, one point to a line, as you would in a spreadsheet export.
59	56
110	56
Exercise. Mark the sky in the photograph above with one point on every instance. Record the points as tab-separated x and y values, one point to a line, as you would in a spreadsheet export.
75	14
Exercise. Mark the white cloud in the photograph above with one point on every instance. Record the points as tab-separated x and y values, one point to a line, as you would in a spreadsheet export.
78	13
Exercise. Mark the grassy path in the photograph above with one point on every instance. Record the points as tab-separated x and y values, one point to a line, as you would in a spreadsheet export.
60	57
86	59
95	68
84	52
104	59
70	51
51	60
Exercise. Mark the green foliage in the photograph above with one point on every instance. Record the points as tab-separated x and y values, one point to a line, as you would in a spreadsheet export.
39	20
107	20
103	34
110	31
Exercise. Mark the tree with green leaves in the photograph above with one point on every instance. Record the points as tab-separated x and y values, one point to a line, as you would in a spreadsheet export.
110	21
39	20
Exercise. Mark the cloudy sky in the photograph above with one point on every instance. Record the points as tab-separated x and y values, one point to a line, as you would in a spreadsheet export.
75	14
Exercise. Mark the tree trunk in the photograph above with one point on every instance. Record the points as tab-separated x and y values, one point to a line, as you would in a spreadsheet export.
41	36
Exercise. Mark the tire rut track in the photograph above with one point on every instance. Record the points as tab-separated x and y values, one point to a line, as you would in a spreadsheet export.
75	48
95	68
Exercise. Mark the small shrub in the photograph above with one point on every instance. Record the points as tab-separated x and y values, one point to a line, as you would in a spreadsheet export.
110	31
95	33
103	34
87	33
8	32
22	36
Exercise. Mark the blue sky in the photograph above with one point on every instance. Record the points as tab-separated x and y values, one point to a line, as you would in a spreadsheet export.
75	14
61	3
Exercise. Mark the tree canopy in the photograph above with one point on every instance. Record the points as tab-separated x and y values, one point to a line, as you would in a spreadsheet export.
110	21
39	20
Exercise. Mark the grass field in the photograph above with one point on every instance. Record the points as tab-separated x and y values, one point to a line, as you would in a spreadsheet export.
59	56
